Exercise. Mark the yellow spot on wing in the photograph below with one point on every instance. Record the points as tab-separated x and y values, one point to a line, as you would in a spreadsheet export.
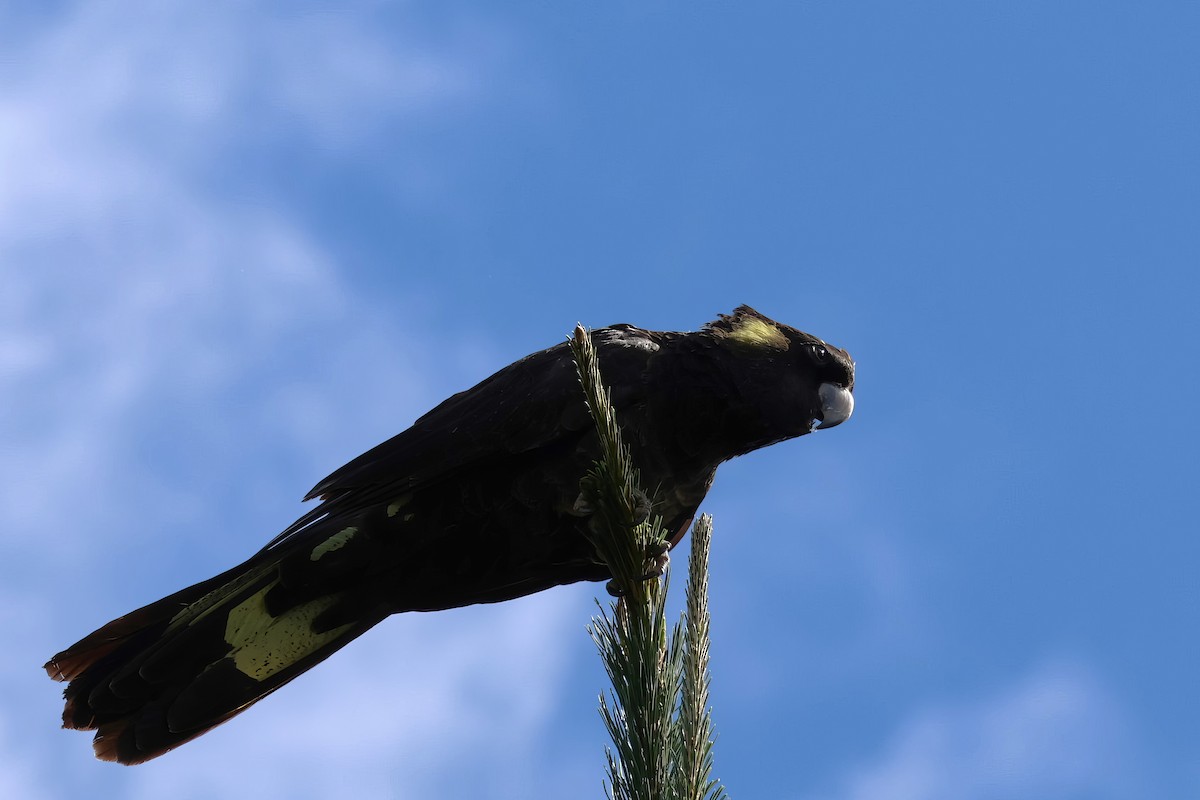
758	333
263	645
397	504
335	542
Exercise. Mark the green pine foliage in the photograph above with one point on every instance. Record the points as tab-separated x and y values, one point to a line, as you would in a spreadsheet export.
694	740
657	712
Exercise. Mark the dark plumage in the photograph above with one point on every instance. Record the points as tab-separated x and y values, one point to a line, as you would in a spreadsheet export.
475	503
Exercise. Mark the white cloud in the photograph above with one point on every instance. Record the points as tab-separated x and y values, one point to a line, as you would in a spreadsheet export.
160	339
1055	734
129	281
418	708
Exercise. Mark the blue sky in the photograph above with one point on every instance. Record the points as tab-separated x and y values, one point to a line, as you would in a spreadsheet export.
243	243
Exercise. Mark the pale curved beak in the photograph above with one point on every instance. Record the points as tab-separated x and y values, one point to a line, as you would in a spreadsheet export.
837	404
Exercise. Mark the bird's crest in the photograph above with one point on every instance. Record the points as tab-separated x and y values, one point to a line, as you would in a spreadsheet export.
748	328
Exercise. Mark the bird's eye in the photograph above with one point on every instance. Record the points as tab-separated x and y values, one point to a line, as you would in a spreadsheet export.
819	353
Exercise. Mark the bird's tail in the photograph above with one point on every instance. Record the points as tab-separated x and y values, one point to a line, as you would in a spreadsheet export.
166	673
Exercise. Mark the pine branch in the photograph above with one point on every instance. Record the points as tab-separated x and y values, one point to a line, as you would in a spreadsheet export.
657	712
632	639
694	759
611	487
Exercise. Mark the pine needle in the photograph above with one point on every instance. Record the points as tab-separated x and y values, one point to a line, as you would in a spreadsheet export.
657	711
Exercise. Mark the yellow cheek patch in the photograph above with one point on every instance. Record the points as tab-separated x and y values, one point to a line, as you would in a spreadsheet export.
754	332
335	542
263	645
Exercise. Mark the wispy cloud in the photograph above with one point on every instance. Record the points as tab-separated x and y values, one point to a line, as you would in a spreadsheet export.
174	357
420	709
1056	733
124	264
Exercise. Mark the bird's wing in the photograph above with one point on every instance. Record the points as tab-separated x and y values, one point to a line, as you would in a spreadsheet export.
530	404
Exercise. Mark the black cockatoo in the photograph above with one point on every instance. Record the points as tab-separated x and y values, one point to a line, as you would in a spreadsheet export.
475	503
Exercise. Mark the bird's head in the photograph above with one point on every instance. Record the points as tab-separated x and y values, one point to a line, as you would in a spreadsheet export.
791	382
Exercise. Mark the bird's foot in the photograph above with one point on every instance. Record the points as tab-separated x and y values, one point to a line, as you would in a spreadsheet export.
658	556
642	505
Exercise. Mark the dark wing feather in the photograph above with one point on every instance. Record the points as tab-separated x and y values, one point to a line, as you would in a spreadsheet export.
529	404
519	408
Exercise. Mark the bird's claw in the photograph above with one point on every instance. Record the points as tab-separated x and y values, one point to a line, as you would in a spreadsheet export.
641	507
658	556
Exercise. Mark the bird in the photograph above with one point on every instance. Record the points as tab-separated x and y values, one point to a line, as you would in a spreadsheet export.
477	502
